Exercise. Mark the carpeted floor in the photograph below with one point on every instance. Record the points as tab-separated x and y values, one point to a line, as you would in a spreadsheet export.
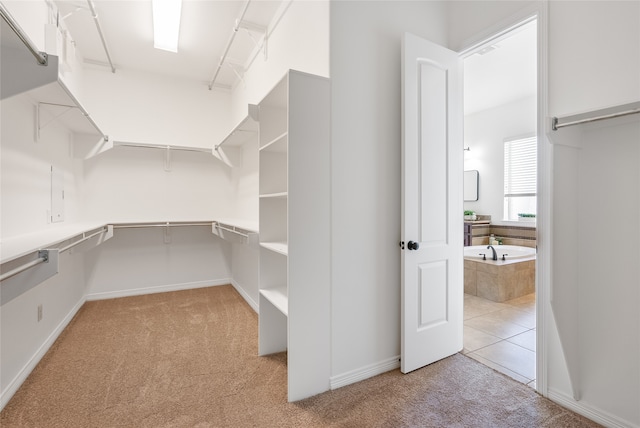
189	359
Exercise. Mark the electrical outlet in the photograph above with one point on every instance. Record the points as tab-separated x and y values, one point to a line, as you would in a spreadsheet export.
39	312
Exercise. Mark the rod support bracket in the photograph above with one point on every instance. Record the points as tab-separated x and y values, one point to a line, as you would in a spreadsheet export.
44	255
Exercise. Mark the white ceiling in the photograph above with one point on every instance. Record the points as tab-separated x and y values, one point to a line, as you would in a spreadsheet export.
503	75
206	27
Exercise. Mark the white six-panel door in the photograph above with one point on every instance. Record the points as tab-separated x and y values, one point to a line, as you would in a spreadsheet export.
432	210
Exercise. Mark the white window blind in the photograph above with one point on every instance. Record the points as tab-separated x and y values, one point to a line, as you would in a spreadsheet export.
520	177
520	167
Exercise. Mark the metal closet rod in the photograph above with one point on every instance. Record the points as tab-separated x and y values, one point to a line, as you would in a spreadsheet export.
99	28
233	36
43	257
233	229
41	57
625	110
103	229
160	224
160	146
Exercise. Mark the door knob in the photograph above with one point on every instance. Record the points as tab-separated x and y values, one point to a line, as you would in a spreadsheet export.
413	245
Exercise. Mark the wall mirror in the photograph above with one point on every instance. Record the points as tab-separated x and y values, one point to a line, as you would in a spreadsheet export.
471	185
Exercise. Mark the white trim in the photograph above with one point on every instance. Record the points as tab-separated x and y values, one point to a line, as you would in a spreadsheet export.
365	372
588	411
544	211
499	30
245	295
538	11
31	364
157	289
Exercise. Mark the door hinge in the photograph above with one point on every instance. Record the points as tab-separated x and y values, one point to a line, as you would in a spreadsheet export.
402	245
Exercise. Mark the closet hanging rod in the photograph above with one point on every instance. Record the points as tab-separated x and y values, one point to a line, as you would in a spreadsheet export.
160	146
43	257
232	230
99	28
165	224
40	56
226	51
104	229
608	113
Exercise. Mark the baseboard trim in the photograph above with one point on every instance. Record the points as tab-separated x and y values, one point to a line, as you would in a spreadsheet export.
245	295
157	289
588	411
17	381
365	372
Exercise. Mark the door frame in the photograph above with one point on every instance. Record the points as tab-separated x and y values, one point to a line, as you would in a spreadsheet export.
539	12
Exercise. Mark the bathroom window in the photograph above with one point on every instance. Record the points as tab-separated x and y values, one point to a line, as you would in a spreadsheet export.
520	178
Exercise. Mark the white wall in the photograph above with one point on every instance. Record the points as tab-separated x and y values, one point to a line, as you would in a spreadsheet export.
24	340
245	182
609	309
299	41
593	69
593	63
25	167
365	114
131	184
607	301
138	261
485	133
142	107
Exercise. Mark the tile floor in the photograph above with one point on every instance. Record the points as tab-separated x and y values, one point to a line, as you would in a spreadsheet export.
502	335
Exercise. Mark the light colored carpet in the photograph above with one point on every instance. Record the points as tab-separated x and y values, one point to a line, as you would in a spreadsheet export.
189	359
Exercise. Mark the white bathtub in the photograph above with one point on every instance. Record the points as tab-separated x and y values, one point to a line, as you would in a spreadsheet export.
510	252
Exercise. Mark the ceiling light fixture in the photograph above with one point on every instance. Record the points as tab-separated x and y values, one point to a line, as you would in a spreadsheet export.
166	24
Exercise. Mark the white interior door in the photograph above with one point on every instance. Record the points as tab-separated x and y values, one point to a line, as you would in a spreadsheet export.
432	226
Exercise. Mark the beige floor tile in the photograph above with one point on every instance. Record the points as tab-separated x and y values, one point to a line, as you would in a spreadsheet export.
525	303
526	340
499	368
515	316
513	357
475	339
528	299
476	306
495	327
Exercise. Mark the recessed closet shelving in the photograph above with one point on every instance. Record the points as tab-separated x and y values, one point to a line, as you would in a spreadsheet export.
294	230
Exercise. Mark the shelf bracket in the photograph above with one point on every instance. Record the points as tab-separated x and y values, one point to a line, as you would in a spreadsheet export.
238	69
167	233
39	125
167	159
251	28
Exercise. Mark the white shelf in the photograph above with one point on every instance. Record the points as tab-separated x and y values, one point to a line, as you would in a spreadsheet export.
21	245
245	131
278	195
278	297
21	74
277	247
278	144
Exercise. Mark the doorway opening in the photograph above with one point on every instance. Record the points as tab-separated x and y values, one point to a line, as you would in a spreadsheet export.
500	123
